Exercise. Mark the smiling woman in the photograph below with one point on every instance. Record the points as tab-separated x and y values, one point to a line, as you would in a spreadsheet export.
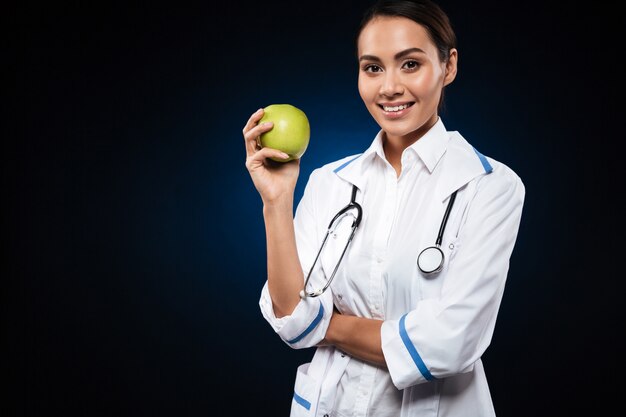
392	337
403	90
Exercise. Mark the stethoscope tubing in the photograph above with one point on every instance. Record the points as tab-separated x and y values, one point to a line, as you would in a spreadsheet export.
332	276
444	221
354	205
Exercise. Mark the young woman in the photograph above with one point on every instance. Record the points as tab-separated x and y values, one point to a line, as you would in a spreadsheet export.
401	330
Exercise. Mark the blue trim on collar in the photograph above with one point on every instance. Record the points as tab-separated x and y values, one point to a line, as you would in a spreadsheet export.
345	164
304	403
413	352
309	329
483	160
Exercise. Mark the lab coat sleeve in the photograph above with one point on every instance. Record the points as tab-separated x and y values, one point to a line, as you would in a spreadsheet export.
306	326
445	336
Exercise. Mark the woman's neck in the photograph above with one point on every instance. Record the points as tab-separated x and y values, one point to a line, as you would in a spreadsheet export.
393	146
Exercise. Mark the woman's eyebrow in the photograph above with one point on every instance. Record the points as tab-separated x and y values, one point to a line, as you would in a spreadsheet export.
399	55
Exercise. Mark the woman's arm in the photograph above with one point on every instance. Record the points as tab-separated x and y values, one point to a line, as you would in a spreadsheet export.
357	336
292	245
275	182
284	273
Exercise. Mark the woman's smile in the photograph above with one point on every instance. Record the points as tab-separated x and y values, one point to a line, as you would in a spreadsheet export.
396	110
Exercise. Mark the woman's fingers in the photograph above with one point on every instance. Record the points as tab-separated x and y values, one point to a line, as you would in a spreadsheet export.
254	118
252	135
251	124
258	158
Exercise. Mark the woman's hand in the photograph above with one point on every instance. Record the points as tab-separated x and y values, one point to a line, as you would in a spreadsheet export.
273	180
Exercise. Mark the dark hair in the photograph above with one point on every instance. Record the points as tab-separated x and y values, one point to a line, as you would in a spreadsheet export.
425	13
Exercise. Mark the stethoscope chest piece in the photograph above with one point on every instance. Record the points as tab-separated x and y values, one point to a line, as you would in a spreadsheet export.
430	260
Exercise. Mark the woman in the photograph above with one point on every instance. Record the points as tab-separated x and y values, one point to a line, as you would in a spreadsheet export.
392	337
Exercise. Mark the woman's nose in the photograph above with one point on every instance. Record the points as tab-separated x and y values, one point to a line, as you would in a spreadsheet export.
391	85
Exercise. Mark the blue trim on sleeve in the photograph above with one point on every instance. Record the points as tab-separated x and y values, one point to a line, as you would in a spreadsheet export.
483	160
345	164
413	352
304	403
308	330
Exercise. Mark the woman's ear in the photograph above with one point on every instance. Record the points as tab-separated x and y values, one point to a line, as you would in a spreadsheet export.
451	67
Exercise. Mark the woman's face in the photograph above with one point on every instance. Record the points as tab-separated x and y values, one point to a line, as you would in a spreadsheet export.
400	75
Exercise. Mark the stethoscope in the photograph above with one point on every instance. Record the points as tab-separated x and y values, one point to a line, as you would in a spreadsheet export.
429	260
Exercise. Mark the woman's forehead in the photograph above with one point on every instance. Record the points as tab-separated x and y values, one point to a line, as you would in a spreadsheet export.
385	36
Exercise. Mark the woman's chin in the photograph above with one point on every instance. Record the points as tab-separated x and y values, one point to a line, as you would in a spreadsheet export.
397	131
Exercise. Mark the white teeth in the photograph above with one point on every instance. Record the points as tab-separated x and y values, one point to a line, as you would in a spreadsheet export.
396	108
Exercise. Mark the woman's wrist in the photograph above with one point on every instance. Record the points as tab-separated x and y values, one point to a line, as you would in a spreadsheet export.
334	329
281	203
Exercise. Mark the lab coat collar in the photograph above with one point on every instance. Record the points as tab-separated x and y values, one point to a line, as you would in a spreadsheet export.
431	147
353	169
462	163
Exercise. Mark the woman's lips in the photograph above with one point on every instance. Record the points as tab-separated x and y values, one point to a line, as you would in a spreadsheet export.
391	114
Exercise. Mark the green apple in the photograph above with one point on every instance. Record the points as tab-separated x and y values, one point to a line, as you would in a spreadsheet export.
290	133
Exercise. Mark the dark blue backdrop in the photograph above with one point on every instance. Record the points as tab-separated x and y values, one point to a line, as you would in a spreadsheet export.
134	238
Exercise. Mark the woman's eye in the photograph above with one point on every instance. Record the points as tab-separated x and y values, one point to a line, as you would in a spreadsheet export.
372	68
411	65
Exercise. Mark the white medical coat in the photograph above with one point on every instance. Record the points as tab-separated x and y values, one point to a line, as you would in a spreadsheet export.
435	328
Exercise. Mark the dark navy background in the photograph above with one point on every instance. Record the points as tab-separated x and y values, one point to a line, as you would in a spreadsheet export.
134	241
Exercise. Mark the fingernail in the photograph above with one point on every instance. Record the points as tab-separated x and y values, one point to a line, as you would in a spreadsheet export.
267	123
284	155
259	109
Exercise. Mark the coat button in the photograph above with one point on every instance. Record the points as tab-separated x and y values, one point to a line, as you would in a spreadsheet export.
451	246
326	415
